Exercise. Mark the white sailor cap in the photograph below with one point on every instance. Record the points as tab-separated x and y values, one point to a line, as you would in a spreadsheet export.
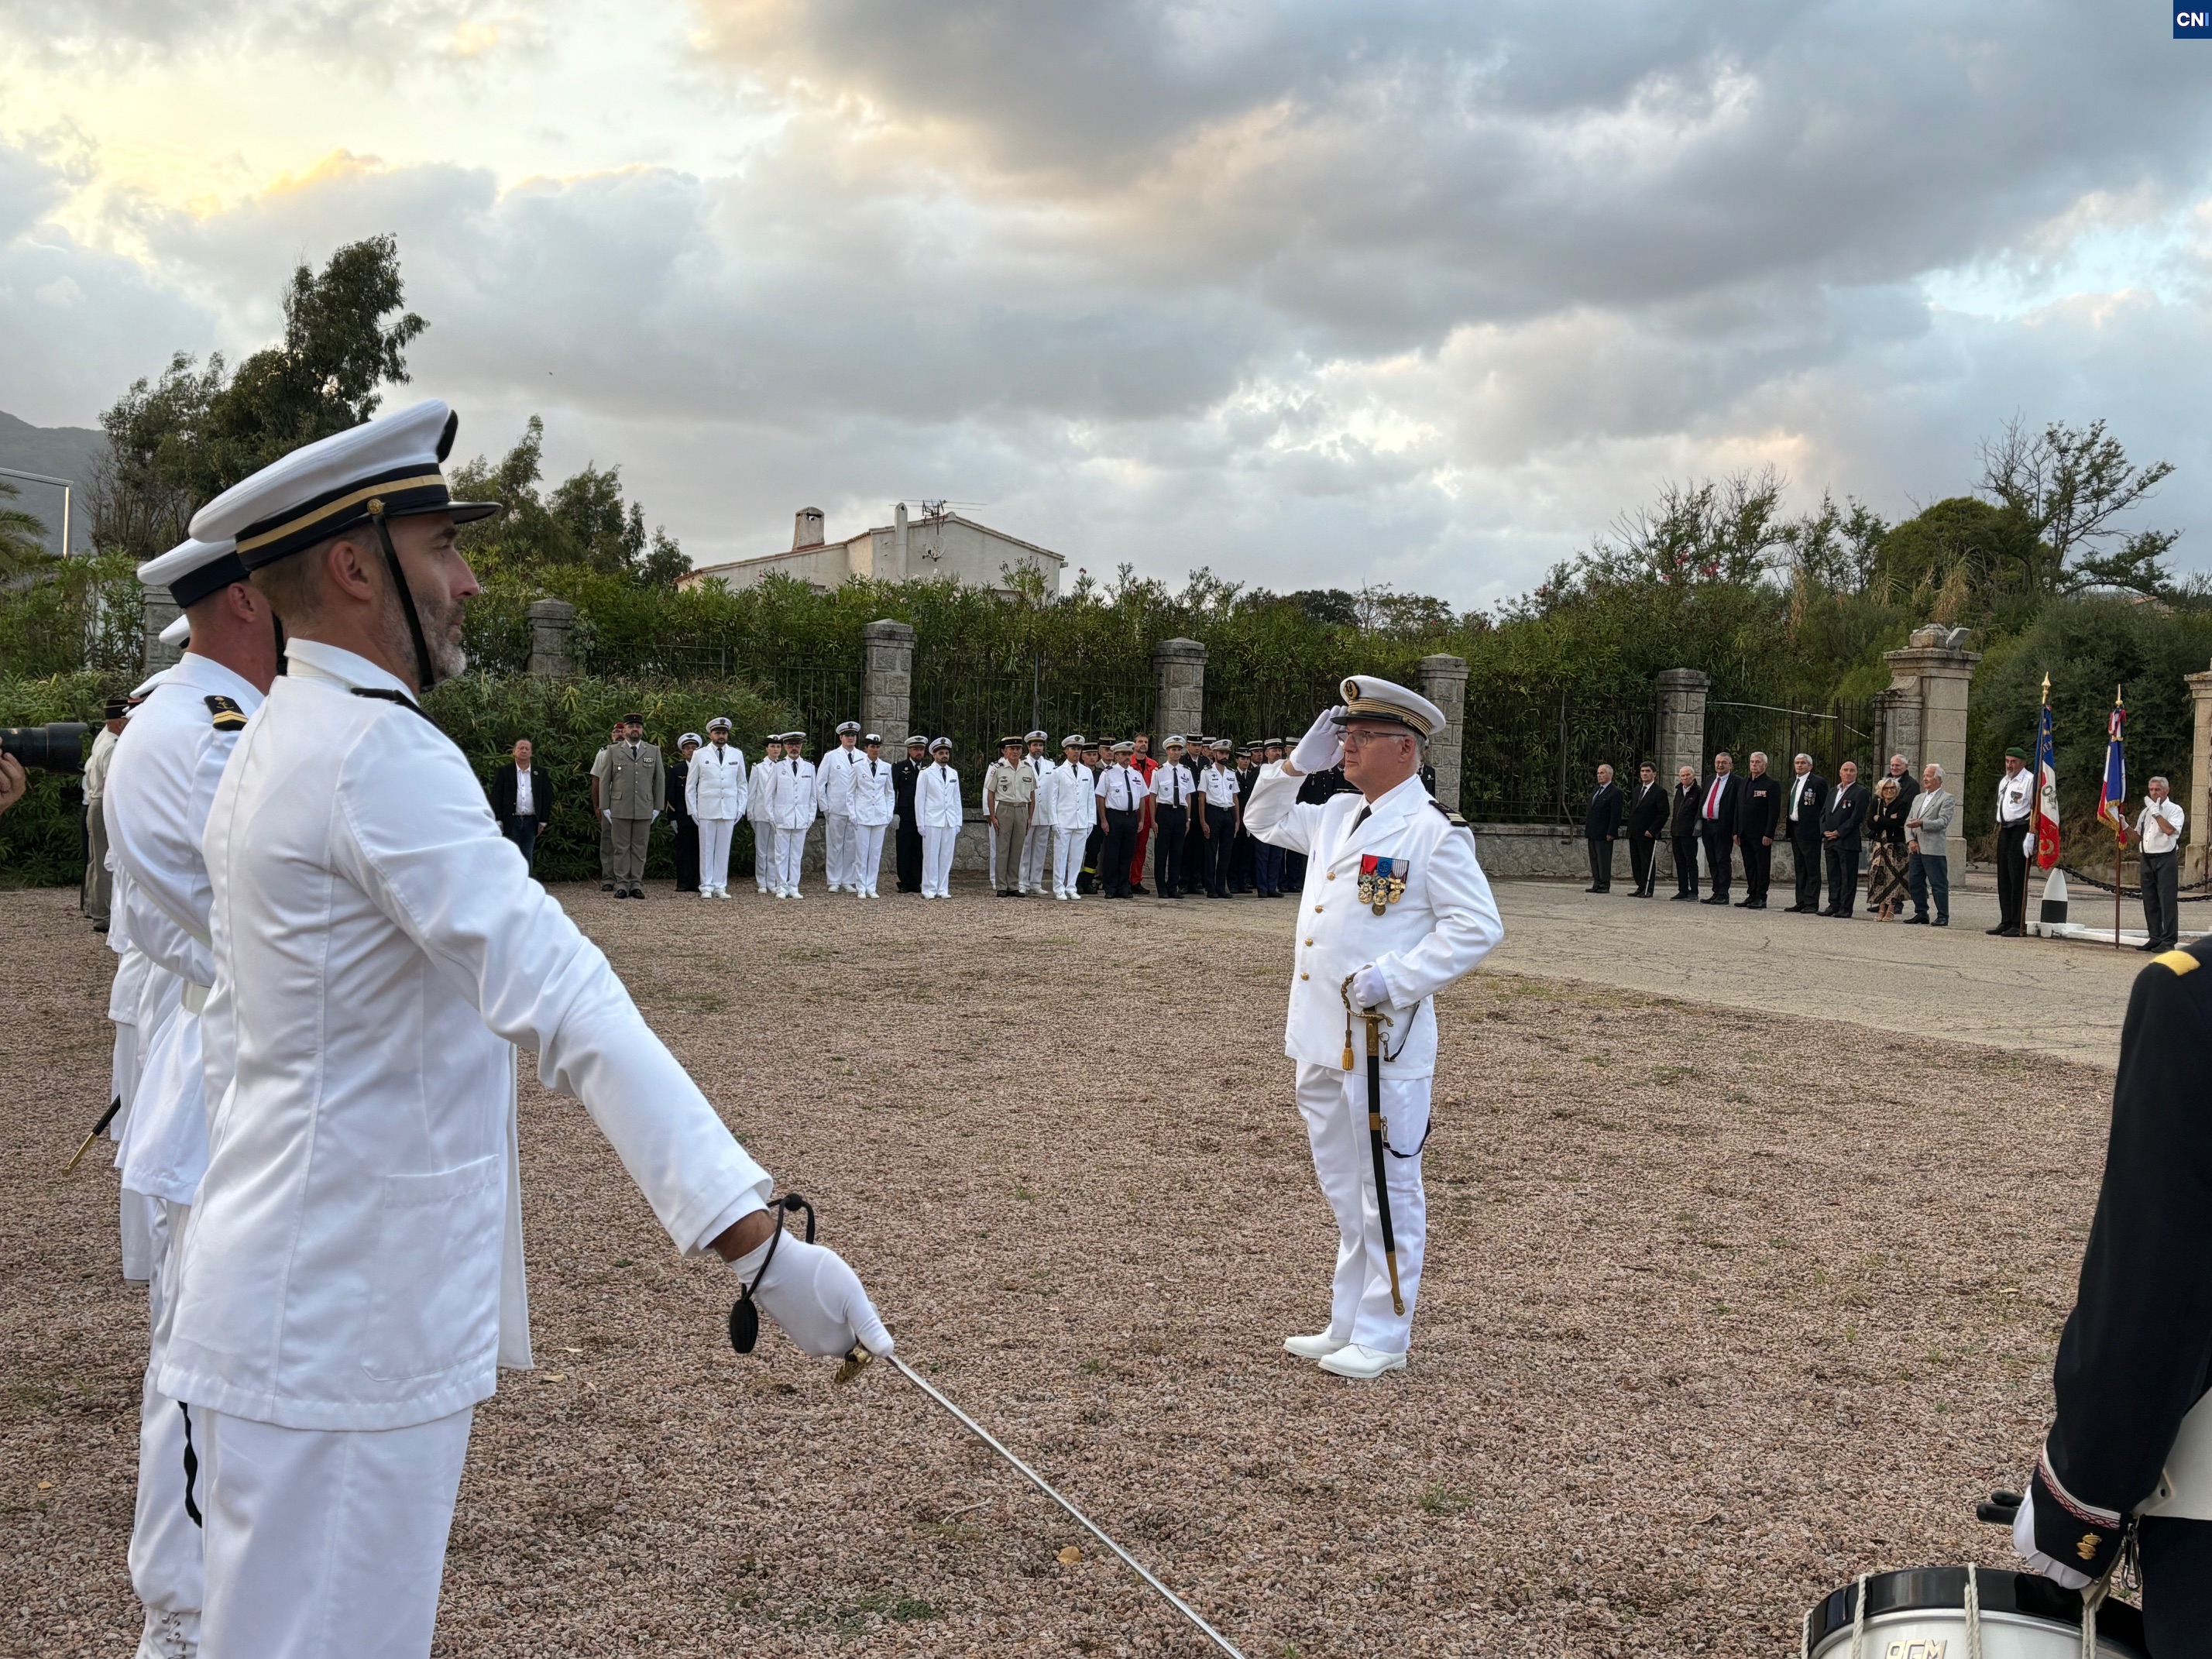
843	727
917	740
178	632
193	569
691	737
1036	737
795	737
1369	699
937	743
871	740
386	468
719	723
1075	740
1174	741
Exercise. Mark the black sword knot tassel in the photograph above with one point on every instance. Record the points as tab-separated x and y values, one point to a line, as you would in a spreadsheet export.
744	1313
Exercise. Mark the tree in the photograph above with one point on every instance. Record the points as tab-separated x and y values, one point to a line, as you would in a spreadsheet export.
2068	484
22	540
181	439
584	524
1962	557
1835	548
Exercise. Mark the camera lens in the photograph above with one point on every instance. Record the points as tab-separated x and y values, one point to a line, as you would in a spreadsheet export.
56	747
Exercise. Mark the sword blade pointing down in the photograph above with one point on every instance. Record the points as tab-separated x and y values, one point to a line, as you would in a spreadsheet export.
1084	1521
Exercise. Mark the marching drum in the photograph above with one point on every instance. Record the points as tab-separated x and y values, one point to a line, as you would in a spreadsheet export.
1929	1613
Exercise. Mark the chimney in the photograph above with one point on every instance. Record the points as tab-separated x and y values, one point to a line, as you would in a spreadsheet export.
898	542
807	528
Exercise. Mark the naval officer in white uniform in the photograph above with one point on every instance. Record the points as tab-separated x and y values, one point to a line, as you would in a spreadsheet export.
1395	900
833	794
160	788
714	795
352	1277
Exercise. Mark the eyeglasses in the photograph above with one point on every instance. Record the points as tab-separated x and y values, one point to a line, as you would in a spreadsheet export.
1361	739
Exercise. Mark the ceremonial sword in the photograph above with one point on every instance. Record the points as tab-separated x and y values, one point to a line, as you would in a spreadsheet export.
105	1118
1375	1019
860	1356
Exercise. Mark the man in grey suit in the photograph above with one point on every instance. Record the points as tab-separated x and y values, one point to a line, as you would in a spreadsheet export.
1927	833
631	788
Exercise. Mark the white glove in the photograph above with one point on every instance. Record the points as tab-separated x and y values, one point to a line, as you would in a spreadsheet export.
815	1298
609	815
1323	746
1369	988
2023	1539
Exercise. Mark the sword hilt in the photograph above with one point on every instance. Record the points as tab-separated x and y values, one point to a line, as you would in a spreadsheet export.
85	1146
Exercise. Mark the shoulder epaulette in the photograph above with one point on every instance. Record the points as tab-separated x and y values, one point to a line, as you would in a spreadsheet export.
383	695
228	715
1450	817
2178	962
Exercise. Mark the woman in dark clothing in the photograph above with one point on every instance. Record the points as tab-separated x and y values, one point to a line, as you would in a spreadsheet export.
1886	863
679	814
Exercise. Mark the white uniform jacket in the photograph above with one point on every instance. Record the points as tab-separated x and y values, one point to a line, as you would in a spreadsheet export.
355	1261
160	786
874	796
937	797
714	787
834	780
791	803
1070	796
760	793
1444	923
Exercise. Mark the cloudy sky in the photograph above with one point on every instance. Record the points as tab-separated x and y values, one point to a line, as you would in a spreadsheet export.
1309	292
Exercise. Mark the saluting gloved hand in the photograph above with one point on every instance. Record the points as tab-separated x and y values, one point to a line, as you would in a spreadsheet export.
2070	1544
1323	746
1369	988
817	1299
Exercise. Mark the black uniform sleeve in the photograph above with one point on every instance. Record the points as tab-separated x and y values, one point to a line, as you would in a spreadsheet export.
2135	1354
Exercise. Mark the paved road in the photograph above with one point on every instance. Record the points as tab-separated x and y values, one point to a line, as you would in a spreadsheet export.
1956	983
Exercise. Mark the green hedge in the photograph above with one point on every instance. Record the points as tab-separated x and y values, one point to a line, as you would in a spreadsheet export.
42	836
41	840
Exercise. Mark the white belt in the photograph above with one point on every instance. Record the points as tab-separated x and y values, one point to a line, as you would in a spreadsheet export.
195	997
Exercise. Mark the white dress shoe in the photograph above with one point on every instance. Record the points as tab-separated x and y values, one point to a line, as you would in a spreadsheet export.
1364	1364
1319	1345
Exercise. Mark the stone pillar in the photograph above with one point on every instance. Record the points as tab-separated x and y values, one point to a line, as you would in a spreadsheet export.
157	612
1679	740
1179	665
1930	680
551	624
887	683
1443	682
2195	795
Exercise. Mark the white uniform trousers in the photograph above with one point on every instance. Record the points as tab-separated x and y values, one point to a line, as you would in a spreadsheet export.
867	864
1067	861
1037	852
326	1543
165	1543
1335	1105
838	851
991	856
714	853
937	846
790	858
136	1218
764	864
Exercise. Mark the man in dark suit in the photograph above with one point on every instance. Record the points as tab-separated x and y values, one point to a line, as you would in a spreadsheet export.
1682	833
1716	816
1804	798
1758	806
1839	829
520	819
1600	828
903	773
679	814
1646	823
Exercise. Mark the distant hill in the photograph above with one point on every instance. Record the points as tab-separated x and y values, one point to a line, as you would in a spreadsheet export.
56	452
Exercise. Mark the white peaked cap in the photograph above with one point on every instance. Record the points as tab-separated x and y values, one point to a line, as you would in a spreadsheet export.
178	632
1367	698
386	468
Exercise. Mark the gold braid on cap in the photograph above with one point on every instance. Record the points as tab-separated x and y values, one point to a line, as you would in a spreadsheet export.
1357	707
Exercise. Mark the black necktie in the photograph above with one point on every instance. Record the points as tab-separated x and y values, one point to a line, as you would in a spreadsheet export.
1361	819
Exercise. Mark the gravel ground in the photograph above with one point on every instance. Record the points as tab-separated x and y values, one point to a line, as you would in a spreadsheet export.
1721	1309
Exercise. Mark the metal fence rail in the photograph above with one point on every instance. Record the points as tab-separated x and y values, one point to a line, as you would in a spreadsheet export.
1267	706
1530	754
1848	731
977	700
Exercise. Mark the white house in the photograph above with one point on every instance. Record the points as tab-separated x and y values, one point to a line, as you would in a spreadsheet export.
937	545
